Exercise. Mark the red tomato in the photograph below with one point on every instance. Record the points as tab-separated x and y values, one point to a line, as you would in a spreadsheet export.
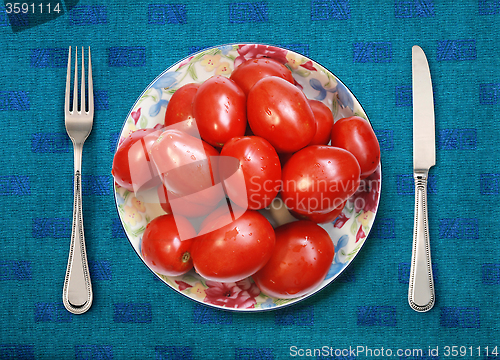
280	113
163	198
185	168
319	218
324	123
356	135
251	71
318	179
300	261
180	109
132	168
184	206
162	248
219	108
235	251
222	216
261	169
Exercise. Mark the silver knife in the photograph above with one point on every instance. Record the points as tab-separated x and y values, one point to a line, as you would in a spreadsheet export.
421	296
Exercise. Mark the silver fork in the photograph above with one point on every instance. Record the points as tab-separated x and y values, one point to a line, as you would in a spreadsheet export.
77	290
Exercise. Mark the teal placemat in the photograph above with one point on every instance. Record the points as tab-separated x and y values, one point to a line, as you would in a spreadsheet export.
362	315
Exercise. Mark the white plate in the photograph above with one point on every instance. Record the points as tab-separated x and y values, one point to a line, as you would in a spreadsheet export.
348	232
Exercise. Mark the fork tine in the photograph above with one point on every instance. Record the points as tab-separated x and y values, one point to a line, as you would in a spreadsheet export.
90	87
82	86
75	85
68	84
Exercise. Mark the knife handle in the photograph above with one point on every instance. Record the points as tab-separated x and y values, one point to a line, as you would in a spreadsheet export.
421	295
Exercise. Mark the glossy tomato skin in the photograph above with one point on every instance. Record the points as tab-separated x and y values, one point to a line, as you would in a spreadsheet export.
324	122
180	109
320	218
261	169
301	259
280	113
234	251
356	135
132	167
162	248
252	70
185	168
318	179
219	108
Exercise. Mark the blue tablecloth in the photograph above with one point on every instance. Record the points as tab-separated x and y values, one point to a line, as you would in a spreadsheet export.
365	313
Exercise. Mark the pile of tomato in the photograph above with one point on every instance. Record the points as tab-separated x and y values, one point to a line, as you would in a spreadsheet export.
284	146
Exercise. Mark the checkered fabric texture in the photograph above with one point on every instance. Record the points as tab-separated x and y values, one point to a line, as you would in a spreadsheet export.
367	44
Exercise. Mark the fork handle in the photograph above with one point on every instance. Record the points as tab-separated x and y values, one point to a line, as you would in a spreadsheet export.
77	291
421	295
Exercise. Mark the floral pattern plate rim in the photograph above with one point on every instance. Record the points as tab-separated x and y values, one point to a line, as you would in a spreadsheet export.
348	232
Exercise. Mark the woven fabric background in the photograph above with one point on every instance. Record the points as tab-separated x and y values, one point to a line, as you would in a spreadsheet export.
367	44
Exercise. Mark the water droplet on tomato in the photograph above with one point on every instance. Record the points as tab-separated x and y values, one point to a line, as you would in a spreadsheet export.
193	157
231	234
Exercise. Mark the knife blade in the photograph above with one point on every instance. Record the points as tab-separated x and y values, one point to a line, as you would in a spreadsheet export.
421	294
